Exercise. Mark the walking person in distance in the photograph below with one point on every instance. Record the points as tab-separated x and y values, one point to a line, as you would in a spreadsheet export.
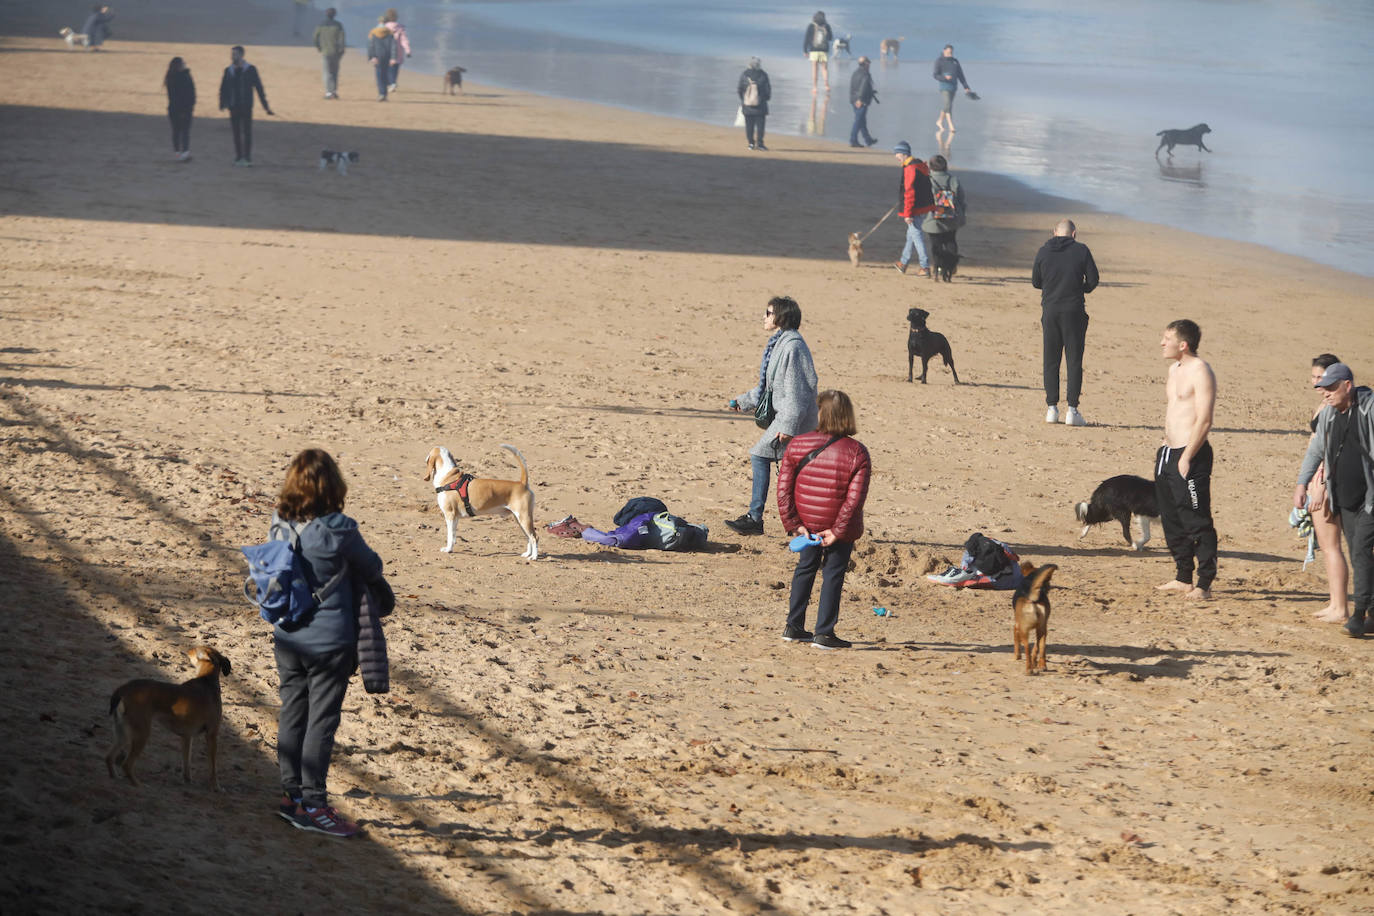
754	93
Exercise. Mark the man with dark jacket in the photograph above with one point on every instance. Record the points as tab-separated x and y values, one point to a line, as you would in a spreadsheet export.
236	95
861	95
1344	444
329	41
1064	273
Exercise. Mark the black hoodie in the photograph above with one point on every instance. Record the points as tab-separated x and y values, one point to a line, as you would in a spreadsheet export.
1064	272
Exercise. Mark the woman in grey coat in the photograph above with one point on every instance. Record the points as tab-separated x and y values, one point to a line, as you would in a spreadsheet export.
786	371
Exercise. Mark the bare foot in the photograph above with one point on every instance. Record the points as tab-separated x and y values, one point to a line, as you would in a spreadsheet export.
1197	594
1329	615
1174	586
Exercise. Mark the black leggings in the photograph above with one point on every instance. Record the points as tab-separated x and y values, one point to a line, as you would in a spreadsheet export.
181	130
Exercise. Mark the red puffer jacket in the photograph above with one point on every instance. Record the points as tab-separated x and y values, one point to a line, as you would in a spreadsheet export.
830	492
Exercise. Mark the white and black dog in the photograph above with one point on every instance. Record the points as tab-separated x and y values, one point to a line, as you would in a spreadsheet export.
337	159
1123	498
841	43
73	38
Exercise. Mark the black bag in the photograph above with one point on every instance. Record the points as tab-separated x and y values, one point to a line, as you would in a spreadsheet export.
765	414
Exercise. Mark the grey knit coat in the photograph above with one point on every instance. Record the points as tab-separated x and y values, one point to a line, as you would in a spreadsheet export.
791	375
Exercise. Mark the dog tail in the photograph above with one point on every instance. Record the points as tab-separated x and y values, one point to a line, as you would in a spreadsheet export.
1040	582
1161	133
115	699
524	471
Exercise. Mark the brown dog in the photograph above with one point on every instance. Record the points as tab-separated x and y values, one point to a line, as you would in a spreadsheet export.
187	709
453	79
891	46
1031	607
856	249
464	495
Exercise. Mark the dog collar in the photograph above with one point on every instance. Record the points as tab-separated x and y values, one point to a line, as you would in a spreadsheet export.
461	485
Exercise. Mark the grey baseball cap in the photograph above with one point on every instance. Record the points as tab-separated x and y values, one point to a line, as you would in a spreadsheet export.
1336	372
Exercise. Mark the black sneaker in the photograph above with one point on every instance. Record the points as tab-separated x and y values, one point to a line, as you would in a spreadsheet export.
830	641
745	524
1355	626
872	141
792	634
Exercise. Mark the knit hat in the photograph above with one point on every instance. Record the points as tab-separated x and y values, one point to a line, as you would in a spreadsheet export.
902	147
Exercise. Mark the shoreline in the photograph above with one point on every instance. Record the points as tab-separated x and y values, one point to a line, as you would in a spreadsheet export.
615	731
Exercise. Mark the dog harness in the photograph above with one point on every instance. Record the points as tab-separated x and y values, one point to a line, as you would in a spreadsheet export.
461	485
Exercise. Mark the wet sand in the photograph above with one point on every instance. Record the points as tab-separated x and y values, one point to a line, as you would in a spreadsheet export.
619	732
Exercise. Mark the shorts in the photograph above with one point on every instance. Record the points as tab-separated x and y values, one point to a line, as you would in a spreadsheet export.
821	56
949	100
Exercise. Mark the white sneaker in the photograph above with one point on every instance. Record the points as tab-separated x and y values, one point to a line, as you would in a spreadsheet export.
1074	418
1052	415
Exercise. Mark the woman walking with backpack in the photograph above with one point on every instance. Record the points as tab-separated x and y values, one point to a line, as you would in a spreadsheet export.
822	486
316	656
754	93
944	222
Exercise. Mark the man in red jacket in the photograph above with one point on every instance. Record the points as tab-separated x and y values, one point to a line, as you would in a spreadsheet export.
916	201
822	485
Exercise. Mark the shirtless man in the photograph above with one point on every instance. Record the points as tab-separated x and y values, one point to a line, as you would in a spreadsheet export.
1183	465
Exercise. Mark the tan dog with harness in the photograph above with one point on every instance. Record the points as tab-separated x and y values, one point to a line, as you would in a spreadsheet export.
463	495
187	709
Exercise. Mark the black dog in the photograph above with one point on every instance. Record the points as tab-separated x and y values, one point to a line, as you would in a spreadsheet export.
944	255
926	344
1122	498
1190	137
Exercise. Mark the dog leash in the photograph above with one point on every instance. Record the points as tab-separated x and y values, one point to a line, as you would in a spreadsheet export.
878	223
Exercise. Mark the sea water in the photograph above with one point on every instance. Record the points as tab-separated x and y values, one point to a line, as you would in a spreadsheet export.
1073	93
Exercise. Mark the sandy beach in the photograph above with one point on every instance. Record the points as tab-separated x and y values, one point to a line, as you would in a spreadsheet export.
624	732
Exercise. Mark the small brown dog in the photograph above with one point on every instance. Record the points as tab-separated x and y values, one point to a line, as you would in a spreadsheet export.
891	46
464	495
856	249
1031	607
187	709
453	79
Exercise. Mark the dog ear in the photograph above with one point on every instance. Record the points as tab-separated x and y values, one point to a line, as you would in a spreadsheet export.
432	460
224	666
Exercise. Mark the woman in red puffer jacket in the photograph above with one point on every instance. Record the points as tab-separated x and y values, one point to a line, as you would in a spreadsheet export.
822	485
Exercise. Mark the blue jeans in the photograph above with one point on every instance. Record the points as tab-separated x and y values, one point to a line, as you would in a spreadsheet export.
835	561
916	239
395	71
383	77
763	469
860	126
330	64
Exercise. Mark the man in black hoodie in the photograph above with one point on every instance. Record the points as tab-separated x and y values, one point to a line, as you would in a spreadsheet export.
236	90
1064	273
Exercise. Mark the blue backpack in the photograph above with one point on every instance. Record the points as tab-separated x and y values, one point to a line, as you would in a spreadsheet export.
277	583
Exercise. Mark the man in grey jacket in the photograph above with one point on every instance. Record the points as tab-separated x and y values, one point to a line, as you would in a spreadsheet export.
330	42
1344	441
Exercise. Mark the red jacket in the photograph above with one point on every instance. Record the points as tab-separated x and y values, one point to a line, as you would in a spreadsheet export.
917	198
830	492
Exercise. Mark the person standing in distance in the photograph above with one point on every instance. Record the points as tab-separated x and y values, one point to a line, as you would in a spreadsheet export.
181	101
236	96
1064	272
816	46
1183	464
861	95
754	93
1344	443
330	42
